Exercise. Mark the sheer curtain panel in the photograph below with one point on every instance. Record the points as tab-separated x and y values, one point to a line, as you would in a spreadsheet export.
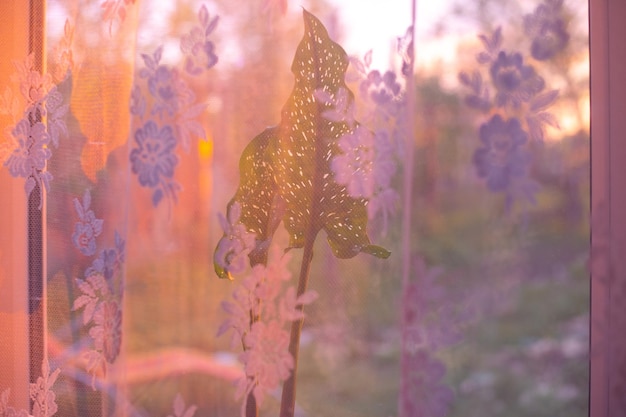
309	208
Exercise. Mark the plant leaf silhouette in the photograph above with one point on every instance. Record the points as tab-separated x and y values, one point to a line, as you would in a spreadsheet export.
285	172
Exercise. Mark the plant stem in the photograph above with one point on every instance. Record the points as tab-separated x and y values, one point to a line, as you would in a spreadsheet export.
288	398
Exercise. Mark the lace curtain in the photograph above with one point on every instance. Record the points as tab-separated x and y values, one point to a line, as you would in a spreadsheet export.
333	208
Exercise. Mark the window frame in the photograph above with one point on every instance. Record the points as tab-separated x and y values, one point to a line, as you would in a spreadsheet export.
608	207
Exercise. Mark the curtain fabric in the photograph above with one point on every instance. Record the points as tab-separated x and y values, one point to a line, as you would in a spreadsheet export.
408	237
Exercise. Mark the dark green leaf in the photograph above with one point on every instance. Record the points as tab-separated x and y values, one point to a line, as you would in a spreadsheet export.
285	171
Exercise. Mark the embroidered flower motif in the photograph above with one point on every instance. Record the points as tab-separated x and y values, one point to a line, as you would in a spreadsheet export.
8	411
167	96
33	85
107	330
381	89
237	243
384	200
514	81
173	101
105	264
32	153
84	237
341	105
44	399
94	288
63	56
547	29
109	261
480	98
386	116
267	358
87	228
551	40
170	92
501	159
406	51
28	159
137	102
30	137
244	304
102	292
153	158
354	167
197	46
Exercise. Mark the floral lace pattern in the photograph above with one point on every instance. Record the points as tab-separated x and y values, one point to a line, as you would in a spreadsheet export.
385	102
520	101
265	340
199	50
41	394
172	110
39	116
101	295
232	252
88	228
501	159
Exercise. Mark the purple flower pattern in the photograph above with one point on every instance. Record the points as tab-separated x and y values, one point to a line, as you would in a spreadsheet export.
515	82
237	243
199	50
32	152
33	139
500	159
109	261
107	330
169	90
374	156
153	159
521	102
28	159
382	89
100	298
166	97
87	228
546	26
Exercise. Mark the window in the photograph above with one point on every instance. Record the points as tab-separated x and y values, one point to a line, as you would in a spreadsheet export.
421	199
